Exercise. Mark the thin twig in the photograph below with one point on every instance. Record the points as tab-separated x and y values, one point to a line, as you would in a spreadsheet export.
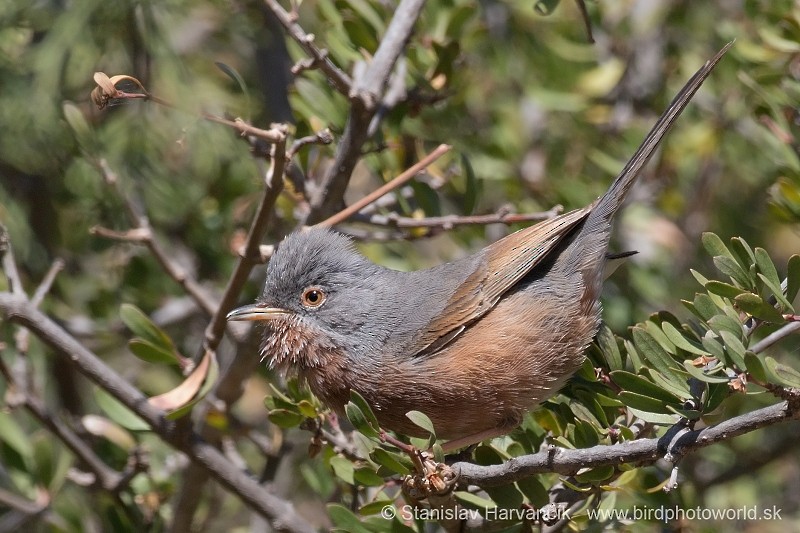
400	180
340	81
321	137
774	337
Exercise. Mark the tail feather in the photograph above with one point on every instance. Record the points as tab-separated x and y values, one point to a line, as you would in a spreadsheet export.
585	252
610	202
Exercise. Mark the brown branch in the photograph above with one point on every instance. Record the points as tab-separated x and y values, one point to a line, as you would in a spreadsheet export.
400	180
340	81
641	452
321	137
282	514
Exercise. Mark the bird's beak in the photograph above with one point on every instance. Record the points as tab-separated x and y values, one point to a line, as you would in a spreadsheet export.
256	312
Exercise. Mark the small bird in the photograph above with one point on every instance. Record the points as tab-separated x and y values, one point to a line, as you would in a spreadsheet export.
475	343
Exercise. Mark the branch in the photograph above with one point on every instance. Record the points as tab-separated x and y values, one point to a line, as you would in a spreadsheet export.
369	87
17	309
340	81
399	181
645	451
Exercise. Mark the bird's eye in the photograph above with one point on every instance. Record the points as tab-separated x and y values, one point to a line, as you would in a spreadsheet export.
313	297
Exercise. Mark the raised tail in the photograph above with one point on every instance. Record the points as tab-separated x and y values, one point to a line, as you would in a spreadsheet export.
610	202
585	252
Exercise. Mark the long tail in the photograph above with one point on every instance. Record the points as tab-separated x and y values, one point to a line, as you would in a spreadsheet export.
613	198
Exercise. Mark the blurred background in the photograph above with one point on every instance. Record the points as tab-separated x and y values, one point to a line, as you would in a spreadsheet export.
537	116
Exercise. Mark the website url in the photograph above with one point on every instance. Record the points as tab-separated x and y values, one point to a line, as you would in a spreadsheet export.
670	514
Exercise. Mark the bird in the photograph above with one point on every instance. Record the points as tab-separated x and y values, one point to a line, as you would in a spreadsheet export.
475	343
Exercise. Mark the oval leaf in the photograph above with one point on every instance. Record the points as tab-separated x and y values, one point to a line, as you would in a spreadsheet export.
149	352
141	325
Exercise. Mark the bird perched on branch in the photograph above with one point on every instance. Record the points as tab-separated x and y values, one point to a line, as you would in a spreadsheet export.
474	344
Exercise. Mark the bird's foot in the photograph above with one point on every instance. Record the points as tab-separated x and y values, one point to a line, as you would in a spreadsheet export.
432	479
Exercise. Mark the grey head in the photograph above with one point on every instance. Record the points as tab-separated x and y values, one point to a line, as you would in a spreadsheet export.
324	303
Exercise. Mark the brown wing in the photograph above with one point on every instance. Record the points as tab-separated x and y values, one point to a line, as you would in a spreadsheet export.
505	262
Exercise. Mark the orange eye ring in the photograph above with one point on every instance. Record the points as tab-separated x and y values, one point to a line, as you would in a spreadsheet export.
313	297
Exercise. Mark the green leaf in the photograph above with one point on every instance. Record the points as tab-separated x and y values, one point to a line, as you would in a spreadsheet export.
639	385
652	350
654	418
421	419
690	414
766	267
285	418
117	412
374	507
717	392
365	408
656	332
675	384
793	277
643	403
595	475
533	490
545	7
343	468
701	279
714	346
754	305
756	367
714	245
705	305
585	434
307	409
777	291
390	461
734	348
149	352
359	420
141	325
76	120
782	374
366	476
725	290
720	323
678	339
731	268
426	198
742	252
344	519
14	436
473	501
710	376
